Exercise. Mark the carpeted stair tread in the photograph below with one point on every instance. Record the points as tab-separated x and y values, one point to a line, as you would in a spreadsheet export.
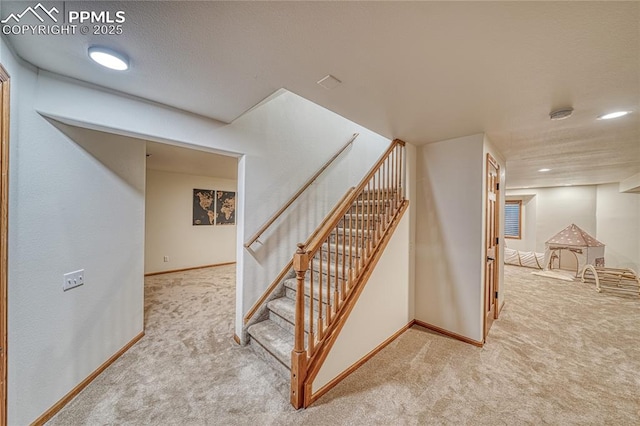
370	202
275	339
331	270
358	220
333	247
292	283
275	335
285	308
349	231
350	236
381	190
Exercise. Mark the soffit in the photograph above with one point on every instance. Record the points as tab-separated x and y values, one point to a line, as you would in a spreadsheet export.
174	159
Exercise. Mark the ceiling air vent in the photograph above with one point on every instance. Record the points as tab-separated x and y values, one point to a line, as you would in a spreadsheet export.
329	82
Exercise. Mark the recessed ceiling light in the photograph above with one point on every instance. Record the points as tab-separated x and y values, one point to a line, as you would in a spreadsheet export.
108	58
561	114
544	170
611	115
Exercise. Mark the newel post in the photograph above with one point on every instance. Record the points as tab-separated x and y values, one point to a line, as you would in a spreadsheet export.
299	355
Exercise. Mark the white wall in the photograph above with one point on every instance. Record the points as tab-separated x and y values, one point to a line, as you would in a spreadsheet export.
382	309
168	224
72	205
287	140
618	219
284	140
558	208
449	235
555	209
601	210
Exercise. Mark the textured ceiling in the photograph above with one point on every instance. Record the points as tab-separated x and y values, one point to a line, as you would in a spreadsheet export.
419	71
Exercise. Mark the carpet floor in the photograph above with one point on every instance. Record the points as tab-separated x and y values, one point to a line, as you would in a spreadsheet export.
560	354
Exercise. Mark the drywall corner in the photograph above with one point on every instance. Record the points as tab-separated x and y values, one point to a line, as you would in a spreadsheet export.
411	188
448	285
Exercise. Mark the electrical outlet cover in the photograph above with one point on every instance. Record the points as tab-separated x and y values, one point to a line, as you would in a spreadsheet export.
73	279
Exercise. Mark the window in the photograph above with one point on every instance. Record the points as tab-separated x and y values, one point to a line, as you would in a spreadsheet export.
512	219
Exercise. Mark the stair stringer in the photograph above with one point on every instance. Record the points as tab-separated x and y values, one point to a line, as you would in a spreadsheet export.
320	357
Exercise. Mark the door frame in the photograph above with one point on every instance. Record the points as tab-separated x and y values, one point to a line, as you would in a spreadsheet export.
491	162
4	240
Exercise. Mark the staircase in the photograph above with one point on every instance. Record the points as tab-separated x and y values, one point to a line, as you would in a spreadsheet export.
294	325
275	334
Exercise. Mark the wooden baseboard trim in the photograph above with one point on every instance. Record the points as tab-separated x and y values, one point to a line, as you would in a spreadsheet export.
237	339
47	415
449	333
188	269
326	388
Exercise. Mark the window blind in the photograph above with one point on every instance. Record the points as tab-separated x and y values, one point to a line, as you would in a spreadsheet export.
512	210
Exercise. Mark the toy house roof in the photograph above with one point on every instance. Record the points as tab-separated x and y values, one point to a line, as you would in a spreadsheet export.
574	236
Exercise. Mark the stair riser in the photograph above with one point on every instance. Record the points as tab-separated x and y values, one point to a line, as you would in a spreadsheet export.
330	272
332	254
369	208
359	223
325	290
291	327
340	258
292	285
329	264
271	360
382	194
350	239
291	294
326	254
284	323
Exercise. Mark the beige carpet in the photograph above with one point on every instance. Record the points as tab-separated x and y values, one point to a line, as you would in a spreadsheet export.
561	354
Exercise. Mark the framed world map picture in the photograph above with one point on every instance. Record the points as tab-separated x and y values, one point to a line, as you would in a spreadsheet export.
225	208
204	211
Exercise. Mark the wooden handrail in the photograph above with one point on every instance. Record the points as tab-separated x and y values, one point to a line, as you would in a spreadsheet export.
328	226
289	265
303	188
